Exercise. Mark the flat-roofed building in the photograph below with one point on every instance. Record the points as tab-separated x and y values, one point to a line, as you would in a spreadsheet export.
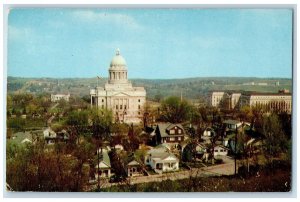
215	98
281	102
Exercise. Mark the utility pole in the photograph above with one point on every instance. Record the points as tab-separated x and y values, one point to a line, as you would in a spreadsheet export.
181	96
98	161
235	148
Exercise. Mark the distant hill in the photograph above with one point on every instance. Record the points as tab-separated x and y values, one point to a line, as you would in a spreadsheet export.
191	88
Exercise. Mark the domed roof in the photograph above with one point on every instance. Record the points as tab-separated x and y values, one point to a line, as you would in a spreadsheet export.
118	60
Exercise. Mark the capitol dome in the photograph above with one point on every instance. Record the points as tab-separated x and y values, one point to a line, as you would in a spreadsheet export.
118	61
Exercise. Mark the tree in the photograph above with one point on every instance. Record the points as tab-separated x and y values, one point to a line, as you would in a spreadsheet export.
77	124
175	110
245	114
285	120
101	129
158	97
275	140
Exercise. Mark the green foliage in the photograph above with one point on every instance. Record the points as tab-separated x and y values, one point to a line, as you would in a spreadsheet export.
16	123
188	153
78	118
174	110
275	140
33	168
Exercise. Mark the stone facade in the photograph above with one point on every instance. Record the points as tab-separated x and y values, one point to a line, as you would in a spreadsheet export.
125	101
215	98
280	102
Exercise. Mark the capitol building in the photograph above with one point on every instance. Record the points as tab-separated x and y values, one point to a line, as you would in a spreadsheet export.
118	94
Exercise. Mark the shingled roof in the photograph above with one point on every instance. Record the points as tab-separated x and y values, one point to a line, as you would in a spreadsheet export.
164	127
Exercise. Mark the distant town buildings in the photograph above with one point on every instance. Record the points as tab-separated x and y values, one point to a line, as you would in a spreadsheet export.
58	97
270	101
281	101
125	101
215	98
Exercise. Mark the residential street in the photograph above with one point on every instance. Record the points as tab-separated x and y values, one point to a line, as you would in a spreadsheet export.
227	168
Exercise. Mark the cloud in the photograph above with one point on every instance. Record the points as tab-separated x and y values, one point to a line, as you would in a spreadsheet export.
104	17
19	33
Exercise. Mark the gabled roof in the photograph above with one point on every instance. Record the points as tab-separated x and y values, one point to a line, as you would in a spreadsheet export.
232	122
133	163
105	159
162	155
221	146
163	127
49	133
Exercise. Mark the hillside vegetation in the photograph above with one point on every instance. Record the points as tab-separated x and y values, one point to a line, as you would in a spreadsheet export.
190	88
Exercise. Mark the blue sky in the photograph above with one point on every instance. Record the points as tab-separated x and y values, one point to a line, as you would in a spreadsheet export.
157	43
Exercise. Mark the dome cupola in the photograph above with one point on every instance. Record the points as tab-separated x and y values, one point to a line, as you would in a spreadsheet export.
118	61
118	70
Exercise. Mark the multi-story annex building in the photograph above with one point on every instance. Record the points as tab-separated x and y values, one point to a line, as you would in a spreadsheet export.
215	98
281	101
125	101
230	100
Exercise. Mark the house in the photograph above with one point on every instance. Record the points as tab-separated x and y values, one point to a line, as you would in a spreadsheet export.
119	147
220	150
160	160
58	97
232	124
208	132
49	136
169	133
133	166
104	167
207	135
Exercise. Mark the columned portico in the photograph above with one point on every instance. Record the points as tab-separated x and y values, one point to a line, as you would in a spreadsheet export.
118	94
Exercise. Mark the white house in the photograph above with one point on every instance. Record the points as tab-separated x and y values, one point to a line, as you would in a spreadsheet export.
161	161
49	136
104	165
58	97
232	124
208	132
220	150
